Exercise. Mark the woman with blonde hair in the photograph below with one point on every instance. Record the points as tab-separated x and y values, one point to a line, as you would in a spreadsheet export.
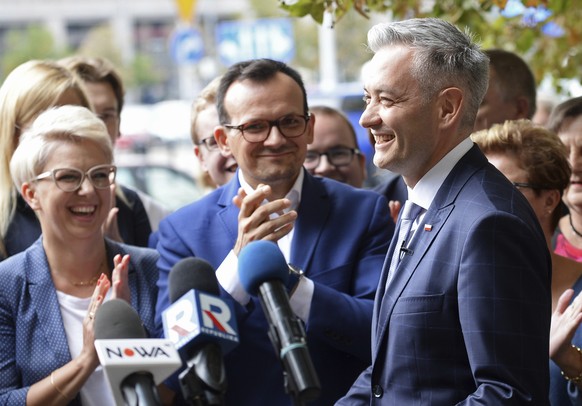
29	89
63	169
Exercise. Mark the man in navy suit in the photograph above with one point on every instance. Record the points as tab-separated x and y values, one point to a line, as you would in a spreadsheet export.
464	316
335	233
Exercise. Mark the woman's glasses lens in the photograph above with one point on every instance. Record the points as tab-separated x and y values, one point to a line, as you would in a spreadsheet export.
70	179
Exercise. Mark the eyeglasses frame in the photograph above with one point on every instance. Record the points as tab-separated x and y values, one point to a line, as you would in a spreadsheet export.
354	151
85	175
209	148
530	186
272	123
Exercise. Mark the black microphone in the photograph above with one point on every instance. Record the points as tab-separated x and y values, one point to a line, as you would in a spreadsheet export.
133	363
202	327
404	250
263	271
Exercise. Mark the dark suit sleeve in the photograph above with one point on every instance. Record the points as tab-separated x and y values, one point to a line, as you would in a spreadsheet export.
360	391
504	310
344	319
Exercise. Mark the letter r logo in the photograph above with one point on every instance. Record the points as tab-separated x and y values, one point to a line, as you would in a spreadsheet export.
216	314
179	320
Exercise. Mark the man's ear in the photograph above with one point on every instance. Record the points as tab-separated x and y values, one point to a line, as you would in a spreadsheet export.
451	103
29	195
200	157
522	107
222	140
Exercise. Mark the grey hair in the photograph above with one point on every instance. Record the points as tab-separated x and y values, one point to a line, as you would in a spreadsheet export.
443	56
51	129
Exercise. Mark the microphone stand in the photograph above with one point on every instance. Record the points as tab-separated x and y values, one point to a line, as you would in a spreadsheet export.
138	389
291	389
203	382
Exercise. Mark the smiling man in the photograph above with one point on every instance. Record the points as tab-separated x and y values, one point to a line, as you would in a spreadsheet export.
462	311
266	125
334	151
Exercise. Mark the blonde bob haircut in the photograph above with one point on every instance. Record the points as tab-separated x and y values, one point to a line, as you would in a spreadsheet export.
52	129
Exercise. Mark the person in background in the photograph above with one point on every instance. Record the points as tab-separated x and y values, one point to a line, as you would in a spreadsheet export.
544	106
463	304
511	94
218	169
334	151
50	293
29	89
534	160
566	121
104	88
335	233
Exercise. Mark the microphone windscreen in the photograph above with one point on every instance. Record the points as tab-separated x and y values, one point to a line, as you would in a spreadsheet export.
259	262
116	319
192	274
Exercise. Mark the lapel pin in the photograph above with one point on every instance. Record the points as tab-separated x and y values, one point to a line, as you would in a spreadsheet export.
427	227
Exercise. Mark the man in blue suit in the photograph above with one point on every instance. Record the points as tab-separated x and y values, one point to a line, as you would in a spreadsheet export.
337	234
462	315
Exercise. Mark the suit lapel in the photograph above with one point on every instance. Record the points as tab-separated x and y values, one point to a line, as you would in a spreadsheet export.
43	297
313	214
436	216
419	246
378	318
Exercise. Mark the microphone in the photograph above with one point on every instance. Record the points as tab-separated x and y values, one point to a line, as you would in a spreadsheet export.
202	327
133	364
263	271
404	250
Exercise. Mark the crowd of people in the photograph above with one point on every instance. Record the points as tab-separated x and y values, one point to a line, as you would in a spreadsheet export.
456	281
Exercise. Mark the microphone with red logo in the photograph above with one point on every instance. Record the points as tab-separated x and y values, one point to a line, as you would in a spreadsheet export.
202	326
263	272
133	364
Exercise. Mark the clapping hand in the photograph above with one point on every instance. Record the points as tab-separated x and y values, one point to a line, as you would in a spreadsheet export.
565	320
254	220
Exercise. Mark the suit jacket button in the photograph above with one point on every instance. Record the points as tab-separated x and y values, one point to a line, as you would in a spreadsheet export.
377	391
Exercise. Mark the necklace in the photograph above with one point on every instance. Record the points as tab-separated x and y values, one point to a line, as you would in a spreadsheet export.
578	233
90	282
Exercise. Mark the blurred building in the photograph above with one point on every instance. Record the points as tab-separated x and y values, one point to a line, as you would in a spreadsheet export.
138	26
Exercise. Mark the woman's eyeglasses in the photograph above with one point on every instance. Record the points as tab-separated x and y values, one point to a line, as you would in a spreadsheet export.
71	179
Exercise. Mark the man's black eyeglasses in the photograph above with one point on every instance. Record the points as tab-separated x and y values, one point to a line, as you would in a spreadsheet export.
290	126
340	156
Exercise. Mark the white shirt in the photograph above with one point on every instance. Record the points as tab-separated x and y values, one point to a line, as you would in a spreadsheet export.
428	186
96	390
227	272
